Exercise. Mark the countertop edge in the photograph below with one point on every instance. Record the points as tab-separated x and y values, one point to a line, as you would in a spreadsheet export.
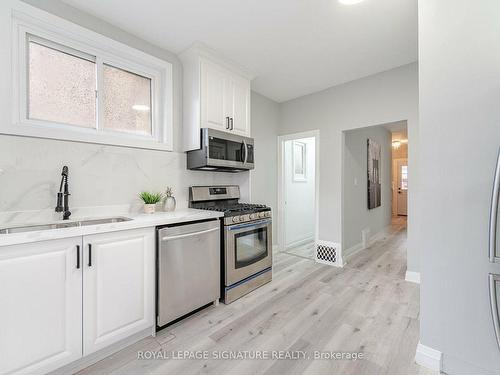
139	221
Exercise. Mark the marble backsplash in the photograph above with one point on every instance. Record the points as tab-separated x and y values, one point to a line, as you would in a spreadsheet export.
103	180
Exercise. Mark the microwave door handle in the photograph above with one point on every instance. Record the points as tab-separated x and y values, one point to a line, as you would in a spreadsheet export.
494	213
245	147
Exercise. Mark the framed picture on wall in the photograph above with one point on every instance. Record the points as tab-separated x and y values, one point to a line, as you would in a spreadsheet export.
374	185
299	161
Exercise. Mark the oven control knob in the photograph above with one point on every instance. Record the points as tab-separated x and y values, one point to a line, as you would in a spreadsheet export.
262	214
236	219
254	216
268	214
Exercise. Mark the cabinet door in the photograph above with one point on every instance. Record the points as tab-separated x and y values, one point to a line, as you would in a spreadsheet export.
213	86
241	106
40	306
118	286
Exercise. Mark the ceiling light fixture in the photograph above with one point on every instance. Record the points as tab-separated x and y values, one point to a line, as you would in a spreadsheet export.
396	144
350	2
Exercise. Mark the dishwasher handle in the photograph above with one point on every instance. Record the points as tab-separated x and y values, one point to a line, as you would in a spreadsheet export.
169	238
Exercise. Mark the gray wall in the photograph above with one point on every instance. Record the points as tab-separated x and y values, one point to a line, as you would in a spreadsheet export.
356	215
382	98
459	140
265	119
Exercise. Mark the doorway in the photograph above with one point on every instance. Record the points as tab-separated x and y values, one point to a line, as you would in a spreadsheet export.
298	193
400	173
374	185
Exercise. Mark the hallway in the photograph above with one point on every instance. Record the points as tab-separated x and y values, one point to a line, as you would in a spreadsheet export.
364	307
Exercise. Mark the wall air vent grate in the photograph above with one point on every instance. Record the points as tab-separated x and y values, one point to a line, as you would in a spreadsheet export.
328	253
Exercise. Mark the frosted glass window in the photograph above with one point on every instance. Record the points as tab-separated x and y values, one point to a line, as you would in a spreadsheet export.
61	87
126	101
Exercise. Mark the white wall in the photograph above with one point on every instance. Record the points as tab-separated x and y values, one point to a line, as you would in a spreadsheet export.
378	99
459	142
265	119
356	215
299	196
99	175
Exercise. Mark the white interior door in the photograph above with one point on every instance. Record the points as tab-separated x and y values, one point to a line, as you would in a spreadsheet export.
40	306
402	186
118	286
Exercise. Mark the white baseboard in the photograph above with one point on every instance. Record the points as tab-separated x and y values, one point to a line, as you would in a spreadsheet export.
353	250
412	277
428	357
300	242
350	252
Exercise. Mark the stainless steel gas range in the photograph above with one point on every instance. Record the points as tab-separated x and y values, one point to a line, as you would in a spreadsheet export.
246	242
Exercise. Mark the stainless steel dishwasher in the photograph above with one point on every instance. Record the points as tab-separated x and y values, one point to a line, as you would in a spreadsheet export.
188	268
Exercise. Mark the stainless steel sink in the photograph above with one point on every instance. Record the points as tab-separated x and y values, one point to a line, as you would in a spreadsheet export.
69	224
103	221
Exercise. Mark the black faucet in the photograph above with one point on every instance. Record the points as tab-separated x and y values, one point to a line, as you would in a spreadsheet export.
63	194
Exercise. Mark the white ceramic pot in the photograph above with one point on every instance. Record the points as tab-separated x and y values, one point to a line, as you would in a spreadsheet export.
169	204
149	208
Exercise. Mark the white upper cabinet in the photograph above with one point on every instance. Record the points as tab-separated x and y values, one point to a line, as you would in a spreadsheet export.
216	95
40	306
118	286
213	97
241	107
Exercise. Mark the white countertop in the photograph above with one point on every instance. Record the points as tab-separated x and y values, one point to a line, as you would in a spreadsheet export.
138	221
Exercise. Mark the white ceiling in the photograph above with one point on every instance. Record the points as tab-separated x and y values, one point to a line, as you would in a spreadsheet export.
294	47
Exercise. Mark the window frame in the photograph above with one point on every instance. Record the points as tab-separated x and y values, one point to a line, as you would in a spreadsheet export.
65	36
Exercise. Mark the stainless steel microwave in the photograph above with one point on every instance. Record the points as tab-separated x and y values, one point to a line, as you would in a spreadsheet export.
222	152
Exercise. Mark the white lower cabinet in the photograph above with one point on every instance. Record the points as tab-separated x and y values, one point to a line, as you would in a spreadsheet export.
40	306
118	286
56	307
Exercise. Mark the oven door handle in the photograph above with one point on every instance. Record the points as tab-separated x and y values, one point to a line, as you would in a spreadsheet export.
252	224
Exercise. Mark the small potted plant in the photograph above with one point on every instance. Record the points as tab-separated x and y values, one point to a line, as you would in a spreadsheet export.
150	200
169	201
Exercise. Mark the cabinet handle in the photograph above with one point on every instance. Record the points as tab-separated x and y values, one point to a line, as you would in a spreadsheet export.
227	122
90	255
231	119
77	256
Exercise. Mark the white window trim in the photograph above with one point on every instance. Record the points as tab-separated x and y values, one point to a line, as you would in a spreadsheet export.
32	21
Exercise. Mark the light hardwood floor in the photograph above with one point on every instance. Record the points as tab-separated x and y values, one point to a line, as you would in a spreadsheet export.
365	306
304	251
